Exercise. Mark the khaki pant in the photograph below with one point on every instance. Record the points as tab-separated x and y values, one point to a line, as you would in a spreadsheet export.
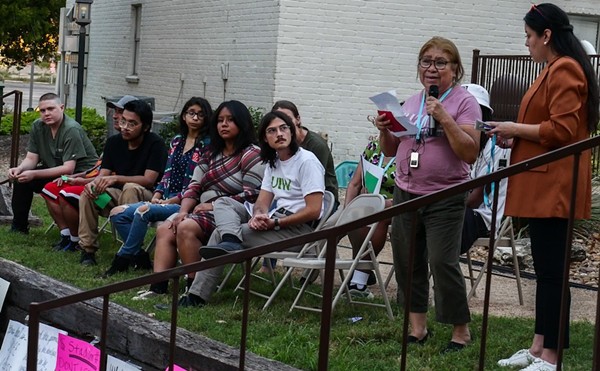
89	211
231	217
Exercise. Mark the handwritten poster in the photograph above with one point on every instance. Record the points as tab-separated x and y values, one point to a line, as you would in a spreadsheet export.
75	354
115	364
176	368
13	355
3	290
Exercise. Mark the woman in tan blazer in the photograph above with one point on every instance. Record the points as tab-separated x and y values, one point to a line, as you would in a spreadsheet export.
560	108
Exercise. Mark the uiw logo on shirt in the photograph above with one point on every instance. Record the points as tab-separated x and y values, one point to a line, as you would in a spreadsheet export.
280	183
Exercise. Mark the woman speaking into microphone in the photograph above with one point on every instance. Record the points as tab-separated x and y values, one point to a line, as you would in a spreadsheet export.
427	162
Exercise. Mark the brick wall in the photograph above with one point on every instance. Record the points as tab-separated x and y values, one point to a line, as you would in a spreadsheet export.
327	56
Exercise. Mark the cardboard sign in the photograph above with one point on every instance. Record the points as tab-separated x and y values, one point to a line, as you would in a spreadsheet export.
75	354
13	355
115	364
3	290
176	368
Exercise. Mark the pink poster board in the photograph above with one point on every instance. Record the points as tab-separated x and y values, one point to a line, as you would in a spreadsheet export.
75	354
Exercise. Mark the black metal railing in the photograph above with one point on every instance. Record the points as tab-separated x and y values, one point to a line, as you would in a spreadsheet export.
331	235
16	127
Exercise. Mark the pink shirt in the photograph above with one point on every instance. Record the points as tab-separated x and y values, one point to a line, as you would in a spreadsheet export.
439	167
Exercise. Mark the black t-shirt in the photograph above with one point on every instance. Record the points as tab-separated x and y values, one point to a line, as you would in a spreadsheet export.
150	155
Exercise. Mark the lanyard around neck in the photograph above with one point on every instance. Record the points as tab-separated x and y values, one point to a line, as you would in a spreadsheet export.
420	116
388	164
486	200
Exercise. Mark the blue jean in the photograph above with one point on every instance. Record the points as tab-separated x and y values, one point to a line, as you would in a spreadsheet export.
132	225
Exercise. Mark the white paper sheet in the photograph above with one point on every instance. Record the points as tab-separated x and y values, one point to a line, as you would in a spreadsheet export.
387	102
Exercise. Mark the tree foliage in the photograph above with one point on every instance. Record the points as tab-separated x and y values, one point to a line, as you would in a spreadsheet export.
28	30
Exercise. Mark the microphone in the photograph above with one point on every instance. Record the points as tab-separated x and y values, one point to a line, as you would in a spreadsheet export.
434	91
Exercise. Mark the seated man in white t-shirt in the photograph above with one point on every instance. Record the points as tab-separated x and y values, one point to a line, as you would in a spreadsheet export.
293	182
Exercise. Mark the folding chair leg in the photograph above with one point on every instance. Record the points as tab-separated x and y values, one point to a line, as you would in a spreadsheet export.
516	264
389	277
50	227
151	246
470	267
226	278
383	287
484	267
240	285
286	276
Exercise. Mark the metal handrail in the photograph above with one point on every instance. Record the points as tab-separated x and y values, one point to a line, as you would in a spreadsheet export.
331	235
16	129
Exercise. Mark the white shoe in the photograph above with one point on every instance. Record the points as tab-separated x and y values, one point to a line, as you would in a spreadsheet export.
145	295
522	358
540	365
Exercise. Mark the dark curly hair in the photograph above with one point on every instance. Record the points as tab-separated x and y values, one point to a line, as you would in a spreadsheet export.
267	153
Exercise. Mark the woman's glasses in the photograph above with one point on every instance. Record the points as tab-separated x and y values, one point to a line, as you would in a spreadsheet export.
439	64
192	114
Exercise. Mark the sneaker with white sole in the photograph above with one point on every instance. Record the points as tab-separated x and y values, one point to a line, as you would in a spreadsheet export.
522	358
540	365
363	293
145	295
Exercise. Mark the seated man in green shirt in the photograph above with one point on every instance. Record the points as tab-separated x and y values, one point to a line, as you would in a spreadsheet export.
57	146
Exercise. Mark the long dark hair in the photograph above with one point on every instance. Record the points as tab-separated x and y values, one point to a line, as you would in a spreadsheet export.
267	153
549	16
241	118
206	110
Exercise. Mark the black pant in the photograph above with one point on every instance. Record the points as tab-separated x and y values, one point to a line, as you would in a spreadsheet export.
21	201
473	228
548	243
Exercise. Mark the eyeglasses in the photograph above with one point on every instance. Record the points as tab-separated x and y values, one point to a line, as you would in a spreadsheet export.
439	64
273	131
192	114
124	124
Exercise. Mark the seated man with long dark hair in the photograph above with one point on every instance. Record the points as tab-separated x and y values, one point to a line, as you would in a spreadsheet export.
293	181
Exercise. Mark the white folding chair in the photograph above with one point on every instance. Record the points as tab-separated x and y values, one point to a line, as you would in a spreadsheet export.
506	238
328	204
361	206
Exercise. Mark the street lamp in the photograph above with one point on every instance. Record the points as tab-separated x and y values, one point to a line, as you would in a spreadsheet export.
1	99
81	16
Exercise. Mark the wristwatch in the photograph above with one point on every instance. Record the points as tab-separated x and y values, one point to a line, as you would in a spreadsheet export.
277	226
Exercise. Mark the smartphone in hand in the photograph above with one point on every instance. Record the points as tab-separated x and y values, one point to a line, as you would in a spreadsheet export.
482	126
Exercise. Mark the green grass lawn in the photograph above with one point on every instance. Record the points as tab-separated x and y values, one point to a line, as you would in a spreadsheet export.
371	343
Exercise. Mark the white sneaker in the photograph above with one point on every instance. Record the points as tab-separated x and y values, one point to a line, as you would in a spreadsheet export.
522	358
540	365
145	295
